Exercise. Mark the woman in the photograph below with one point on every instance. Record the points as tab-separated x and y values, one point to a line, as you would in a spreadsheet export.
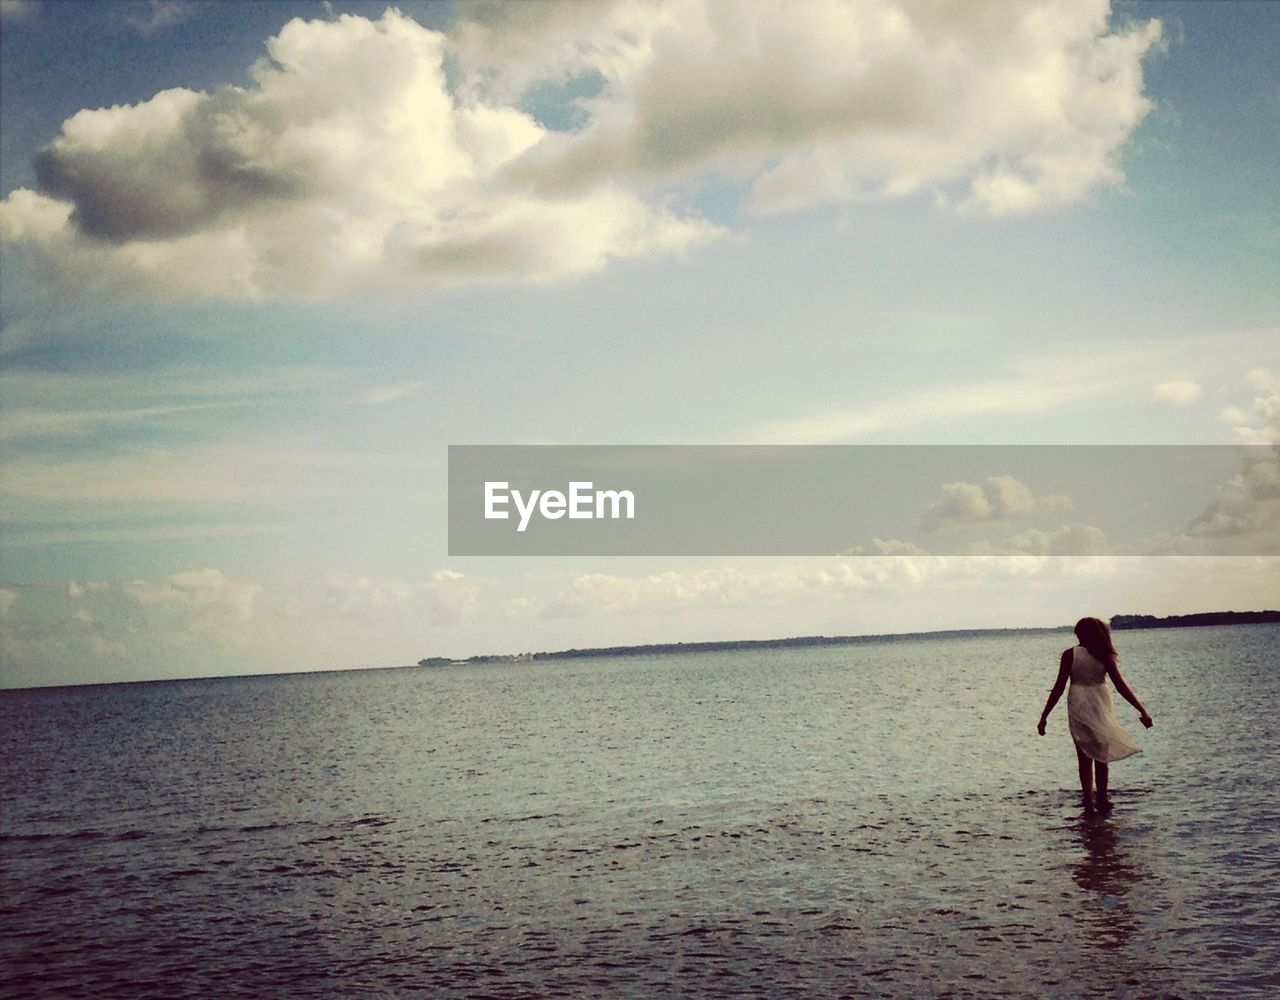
1098	737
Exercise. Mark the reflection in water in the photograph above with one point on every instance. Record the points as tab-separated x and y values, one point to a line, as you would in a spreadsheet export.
1107	874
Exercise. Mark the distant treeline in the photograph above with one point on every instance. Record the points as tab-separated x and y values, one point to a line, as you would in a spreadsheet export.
667	648
1194	621
797	642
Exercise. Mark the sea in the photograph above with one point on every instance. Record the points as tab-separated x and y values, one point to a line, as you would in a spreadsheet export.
870	820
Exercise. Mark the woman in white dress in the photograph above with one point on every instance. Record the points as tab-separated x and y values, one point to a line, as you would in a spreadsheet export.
1090	715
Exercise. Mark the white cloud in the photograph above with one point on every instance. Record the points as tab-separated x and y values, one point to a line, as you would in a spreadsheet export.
1242	519
1005	107
393	392
445	599
201	475
1262	379
505	48
29	422
998	498
113	630
1032	385
1069	540
72	533
1179	392
886	547
204	621
195	474
52	402
1259	424
1247	505
348	165
906	586
727	587
208	593
752	587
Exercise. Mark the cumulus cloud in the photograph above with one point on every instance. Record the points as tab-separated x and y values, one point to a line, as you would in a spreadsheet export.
209	594
202	621
445	599
997	498
1006	107
1069	540
113	630
1259	422
505	48
1247	505
347	165
1179	392
352	162
886	547
1243	517
1262	379
813	589
731	587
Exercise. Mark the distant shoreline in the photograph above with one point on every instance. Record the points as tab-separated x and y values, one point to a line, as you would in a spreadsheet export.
1196	621
1119	622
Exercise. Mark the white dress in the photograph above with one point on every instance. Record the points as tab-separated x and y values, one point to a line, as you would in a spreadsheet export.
1090	715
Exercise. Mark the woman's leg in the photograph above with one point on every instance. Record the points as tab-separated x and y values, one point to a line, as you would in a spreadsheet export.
1086	776
1101	773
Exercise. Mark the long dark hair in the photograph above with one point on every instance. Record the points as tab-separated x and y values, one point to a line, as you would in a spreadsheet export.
1096	638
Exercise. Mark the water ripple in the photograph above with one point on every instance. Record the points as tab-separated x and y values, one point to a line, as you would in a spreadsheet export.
712	826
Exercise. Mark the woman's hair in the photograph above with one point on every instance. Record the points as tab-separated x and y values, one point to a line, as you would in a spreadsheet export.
1096	638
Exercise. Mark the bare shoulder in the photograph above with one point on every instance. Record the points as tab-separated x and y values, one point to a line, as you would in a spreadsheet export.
1064	663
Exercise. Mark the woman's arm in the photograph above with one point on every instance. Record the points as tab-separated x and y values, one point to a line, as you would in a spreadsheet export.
1060	685
1125	692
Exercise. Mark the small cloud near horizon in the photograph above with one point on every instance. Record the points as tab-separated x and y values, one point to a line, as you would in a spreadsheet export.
380	395
1178	392
997	498
1259	423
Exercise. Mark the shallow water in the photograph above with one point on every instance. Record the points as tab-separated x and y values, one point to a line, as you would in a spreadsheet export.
868	820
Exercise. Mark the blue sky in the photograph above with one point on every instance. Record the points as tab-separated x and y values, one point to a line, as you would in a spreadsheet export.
263	263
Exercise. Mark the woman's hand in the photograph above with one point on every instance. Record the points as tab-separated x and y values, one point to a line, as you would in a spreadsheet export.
1146	720
1040	728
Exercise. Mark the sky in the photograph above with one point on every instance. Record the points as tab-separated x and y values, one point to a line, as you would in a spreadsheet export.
262	263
